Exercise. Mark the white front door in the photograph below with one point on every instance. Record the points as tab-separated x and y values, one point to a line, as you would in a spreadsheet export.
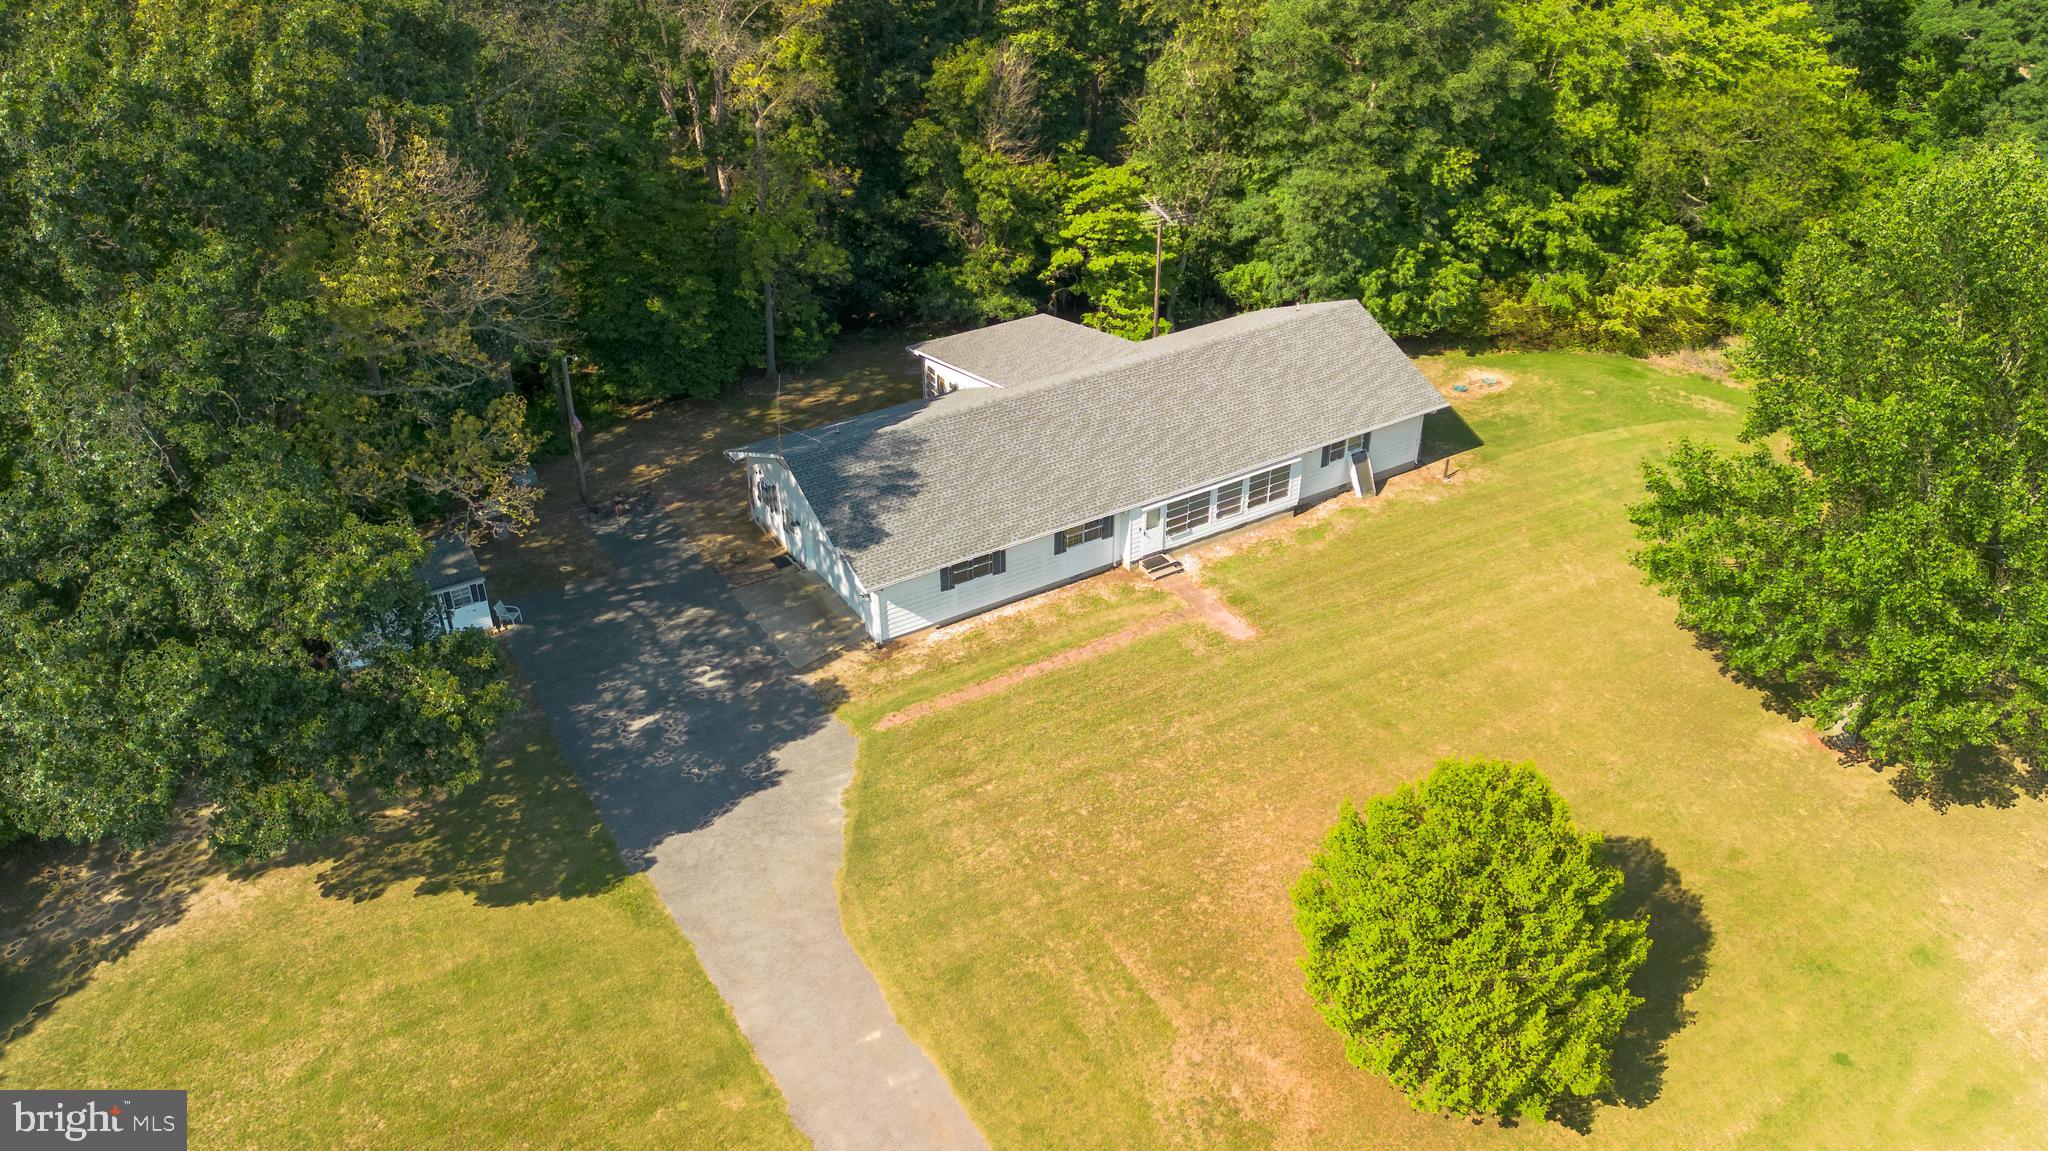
1146	535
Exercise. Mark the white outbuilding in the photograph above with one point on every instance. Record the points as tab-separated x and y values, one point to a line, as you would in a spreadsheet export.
451	573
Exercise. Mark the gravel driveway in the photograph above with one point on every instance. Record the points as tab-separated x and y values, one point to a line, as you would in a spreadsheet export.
720	776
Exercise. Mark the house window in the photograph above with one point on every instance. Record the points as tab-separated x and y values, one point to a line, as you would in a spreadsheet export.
1344	448
771	500
1075	537
935	384
1185	515
1267	486
1229	500
959	573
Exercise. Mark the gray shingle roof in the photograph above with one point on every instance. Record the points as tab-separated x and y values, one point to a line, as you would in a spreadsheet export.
907	489
1025	351
449	562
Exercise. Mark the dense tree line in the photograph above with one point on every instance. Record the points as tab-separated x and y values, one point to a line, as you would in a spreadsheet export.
1885	571
284	279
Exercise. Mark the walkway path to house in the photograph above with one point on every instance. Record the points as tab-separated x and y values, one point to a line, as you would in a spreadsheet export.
721	776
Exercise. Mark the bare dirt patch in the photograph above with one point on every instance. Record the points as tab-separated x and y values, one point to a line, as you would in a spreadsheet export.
1460	384
1198	604
1015	676
1712	363
672	454
1204	605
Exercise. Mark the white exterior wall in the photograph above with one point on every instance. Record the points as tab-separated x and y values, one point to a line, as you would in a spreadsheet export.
1394	448
1143	539
917	603
798	529
1030	566
476	613
954	378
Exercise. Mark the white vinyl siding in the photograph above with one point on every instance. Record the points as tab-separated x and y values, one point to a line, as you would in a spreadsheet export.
940	378
1031	566
793	524
464	605
1188	518
1394	448
1034	565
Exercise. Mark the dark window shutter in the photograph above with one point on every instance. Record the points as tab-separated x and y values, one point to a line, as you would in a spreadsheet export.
1059	542
476	593
946	579
999	565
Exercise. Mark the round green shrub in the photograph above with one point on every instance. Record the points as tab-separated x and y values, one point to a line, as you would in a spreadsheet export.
1459	939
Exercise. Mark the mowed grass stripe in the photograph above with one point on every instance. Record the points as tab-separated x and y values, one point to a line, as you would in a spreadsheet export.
1075	891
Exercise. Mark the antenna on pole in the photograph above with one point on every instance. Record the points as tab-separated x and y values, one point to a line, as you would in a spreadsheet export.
1163	218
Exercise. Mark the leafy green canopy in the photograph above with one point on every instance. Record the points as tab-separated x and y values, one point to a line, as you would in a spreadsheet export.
259	314
1458	938
1889	572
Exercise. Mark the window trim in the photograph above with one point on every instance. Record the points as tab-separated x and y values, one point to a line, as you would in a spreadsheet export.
955	574
1345	448
1207	499
1235	490
1089	532
1278	481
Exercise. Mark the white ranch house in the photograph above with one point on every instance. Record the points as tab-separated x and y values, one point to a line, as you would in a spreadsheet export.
1045	451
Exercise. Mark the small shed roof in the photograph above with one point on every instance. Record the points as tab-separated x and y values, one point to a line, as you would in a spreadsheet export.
1020	352
914	487
449	562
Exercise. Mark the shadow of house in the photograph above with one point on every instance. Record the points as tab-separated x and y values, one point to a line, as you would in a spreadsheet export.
65	910
1445	434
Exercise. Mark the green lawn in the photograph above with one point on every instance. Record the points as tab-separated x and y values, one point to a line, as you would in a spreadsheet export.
1075	891
483	975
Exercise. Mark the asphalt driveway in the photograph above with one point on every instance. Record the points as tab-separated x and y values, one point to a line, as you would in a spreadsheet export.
720	776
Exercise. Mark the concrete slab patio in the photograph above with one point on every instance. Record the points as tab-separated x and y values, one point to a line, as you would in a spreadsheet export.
804	620
720	775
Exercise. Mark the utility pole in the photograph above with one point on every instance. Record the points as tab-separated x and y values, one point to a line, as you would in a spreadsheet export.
568	397
1158	248
768	322
1161	218
768	265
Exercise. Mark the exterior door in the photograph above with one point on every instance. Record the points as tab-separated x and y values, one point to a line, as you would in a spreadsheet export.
1146	535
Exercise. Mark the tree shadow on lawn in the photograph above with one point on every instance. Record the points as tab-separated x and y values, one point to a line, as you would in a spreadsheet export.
1975	778
523	832
1680	937
65	909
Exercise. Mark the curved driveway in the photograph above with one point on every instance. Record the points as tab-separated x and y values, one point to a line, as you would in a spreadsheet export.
720	776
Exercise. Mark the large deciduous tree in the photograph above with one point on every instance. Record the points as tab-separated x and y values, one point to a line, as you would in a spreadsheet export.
1880	556
1459	938
261	321
1371	125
